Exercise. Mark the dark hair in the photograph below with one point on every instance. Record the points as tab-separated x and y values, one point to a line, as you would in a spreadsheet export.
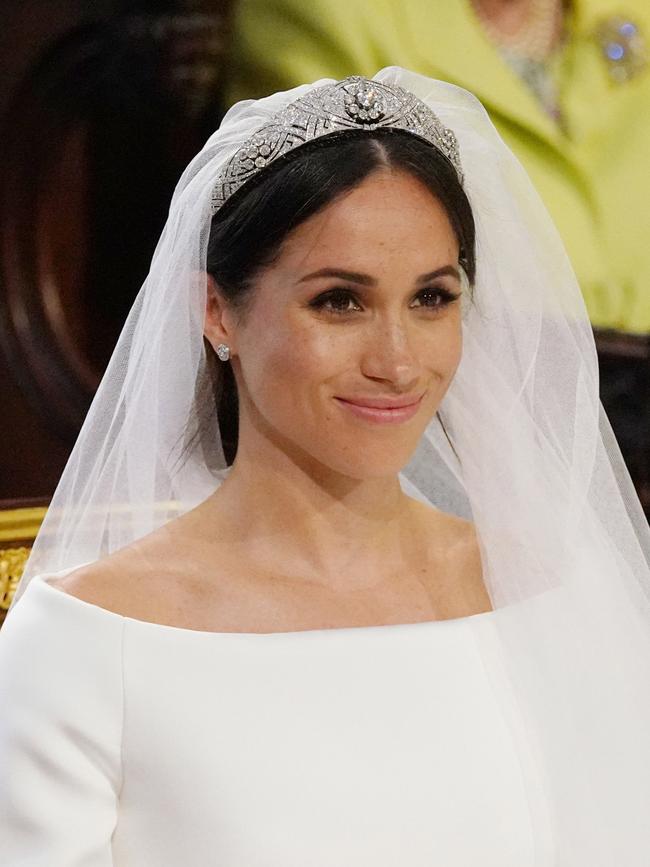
248	231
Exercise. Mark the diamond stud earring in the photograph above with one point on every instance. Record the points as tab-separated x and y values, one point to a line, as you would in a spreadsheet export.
223	351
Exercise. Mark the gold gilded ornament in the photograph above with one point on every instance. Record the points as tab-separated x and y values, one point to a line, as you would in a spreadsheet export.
12	563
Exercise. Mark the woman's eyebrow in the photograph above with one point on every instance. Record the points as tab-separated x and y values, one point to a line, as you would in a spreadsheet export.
367	280
445	271
351	276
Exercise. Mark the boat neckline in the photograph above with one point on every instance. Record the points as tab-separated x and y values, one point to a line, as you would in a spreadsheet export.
43	580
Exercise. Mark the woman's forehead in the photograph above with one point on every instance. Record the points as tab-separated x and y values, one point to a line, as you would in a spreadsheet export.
389	214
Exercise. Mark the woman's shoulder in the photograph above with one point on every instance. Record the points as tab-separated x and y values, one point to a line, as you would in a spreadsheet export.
134	582
162	578
106	583
452	535
451	546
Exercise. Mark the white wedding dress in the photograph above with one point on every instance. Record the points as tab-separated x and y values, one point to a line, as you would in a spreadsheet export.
130	743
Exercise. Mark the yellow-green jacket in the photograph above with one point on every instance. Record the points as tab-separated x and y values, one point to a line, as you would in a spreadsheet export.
594	176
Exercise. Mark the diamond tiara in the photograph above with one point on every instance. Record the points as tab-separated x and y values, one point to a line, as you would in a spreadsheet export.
352	104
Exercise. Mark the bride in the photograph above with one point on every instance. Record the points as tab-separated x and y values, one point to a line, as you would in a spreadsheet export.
345	567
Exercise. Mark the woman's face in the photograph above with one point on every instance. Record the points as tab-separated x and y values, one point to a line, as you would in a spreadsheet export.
358	316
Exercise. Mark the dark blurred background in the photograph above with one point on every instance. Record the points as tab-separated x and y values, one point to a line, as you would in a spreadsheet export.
102	106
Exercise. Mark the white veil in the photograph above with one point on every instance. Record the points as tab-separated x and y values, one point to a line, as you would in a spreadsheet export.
564	542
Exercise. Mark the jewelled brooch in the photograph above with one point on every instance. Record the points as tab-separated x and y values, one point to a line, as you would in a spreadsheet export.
623	47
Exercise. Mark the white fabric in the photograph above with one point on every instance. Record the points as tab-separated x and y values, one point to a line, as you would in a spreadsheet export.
374	747
533	463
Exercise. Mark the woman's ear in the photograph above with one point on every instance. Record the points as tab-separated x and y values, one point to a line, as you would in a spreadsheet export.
218	323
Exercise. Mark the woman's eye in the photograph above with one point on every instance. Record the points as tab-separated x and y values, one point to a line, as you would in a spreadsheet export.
340	301
435	299
336	301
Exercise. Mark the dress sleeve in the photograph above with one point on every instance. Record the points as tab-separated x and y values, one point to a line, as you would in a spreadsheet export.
60	731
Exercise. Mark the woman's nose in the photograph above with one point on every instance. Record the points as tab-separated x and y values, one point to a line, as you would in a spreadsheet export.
389	355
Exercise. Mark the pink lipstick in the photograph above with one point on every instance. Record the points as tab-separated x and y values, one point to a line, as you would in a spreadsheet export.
383	410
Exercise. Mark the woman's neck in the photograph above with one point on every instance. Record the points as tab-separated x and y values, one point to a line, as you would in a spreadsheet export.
328	527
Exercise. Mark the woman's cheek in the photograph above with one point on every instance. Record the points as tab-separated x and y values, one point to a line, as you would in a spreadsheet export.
319	353
449	346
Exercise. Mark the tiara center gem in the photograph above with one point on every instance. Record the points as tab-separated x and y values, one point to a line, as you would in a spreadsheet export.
363	103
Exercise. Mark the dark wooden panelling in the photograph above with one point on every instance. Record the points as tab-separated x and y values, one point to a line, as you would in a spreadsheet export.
104	107
624	362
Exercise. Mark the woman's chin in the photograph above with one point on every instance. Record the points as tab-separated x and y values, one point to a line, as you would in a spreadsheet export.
366	468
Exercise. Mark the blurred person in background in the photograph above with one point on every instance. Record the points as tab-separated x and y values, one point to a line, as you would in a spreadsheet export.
567	85
574	114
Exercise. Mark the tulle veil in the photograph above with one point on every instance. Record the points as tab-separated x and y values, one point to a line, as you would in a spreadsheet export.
528	454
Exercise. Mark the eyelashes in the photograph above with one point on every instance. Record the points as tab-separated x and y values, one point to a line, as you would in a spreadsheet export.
437	297
335	301
340	302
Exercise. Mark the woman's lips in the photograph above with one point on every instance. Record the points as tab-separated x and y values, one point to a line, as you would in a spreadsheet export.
381	415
